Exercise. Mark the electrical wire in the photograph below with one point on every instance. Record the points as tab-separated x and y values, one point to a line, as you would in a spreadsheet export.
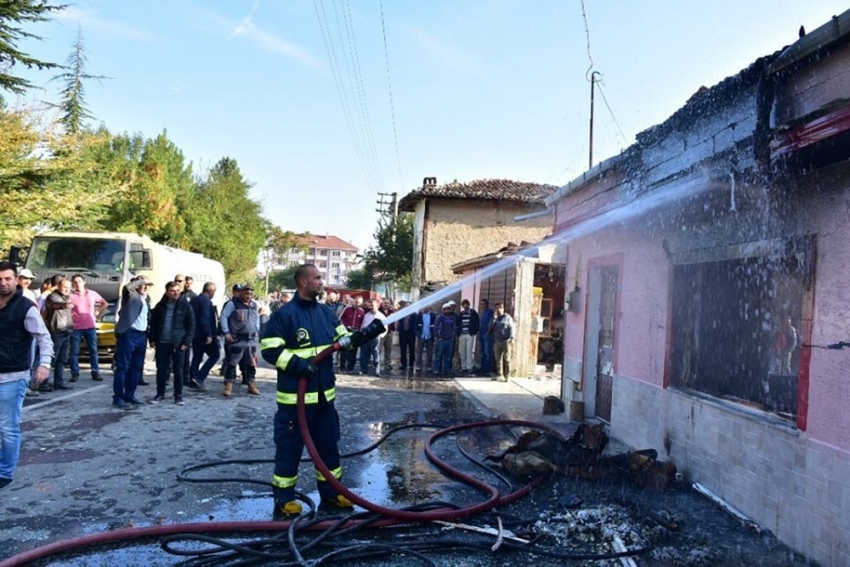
390	87
611	112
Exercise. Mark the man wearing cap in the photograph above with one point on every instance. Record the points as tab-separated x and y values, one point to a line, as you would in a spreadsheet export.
25	278
240	325
131	332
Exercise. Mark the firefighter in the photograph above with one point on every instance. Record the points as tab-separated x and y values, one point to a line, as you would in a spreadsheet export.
296	333
240	324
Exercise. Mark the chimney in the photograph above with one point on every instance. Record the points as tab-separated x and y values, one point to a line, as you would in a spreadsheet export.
429	182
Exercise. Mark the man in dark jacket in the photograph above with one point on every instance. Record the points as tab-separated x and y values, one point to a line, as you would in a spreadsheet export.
206	337
295	334
60	323
171	332
444	330
406	328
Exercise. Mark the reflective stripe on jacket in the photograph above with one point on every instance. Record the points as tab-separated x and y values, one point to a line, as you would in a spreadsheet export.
304	329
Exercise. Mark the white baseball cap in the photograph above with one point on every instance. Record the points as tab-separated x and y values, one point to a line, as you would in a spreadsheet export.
26	273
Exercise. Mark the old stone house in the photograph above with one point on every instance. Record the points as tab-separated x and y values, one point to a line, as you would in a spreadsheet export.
456	221
712	319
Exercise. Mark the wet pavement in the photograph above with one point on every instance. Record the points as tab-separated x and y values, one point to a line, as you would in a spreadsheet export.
88	468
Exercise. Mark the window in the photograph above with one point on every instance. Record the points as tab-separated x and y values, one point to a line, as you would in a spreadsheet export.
335	253
335	265
313	252
323	252
336	278
323	265
736	326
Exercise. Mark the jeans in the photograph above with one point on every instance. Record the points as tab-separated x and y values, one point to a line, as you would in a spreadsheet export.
90	335
169	357
61	347
443	353
129	364
503	359
485	343
369	351
11	401
199	348
242	354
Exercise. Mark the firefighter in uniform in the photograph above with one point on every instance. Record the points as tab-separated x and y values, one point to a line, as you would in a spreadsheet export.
240	325
296	333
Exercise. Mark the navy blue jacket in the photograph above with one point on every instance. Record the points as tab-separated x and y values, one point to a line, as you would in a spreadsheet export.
205	319
304	329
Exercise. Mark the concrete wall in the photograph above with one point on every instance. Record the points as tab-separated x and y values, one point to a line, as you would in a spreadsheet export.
456	230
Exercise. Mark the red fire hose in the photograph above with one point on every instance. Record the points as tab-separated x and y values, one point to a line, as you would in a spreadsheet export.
392	516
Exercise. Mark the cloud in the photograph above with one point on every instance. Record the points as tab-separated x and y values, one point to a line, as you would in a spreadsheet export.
447	54
274	43
89	20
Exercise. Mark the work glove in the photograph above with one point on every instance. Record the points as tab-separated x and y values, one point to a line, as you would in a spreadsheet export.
303	367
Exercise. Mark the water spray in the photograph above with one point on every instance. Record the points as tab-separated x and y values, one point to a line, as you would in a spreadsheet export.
641	204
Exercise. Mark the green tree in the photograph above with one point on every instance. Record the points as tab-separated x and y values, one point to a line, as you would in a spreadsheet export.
72	96
159	191
224	223
13	15
391	258
283	279
359	279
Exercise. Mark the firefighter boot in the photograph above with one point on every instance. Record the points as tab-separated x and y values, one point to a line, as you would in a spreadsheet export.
228	389
340	501
252	389
282	511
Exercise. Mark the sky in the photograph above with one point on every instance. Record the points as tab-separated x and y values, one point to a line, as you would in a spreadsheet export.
325	105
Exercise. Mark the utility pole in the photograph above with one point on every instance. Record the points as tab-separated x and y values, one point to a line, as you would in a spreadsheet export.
388	208
592	91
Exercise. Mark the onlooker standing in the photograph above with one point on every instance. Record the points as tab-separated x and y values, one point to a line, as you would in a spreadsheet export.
386	342
485	339
240	323
20	327
406	328
87	307
188	294
467	328
370	349
171	332
352	319
425	338
25	278
131	331
502	329
60	322
444	330
206	339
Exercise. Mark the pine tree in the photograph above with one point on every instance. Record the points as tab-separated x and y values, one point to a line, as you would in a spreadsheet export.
72	95
13	14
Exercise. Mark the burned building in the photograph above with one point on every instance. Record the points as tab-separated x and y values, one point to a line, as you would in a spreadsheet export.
708	268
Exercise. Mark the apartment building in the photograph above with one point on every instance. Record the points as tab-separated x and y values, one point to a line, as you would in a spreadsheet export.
334	257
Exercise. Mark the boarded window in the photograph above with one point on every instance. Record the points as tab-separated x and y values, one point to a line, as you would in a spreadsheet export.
737	315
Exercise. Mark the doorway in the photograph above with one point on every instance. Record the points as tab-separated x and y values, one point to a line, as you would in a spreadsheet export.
600	341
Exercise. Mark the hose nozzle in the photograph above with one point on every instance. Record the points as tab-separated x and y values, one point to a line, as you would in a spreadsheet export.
364	335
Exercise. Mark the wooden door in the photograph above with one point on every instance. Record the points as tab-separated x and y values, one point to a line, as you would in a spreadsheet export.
605	346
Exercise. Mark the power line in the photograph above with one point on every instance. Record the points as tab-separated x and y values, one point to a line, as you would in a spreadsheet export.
390	86
587	36
330	50
614	118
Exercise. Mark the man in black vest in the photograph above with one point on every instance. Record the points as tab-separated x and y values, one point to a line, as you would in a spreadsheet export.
20	327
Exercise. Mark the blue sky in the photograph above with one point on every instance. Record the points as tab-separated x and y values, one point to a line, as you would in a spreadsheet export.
481	88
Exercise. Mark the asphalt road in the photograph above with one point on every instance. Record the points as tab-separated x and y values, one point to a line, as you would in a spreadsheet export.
87	468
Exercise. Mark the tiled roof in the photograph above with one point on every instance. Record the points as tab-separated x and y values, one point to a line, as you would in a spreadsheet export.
329	241
481	189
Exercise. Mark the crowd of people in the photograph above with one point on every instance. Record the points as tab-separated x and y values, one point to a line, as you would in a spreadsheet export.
427	341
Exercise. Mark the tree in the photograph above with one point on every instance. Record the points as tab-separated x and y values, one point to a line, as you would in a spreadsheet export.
391	258
224	223
359	279
279	243
14	13
283	279
72	96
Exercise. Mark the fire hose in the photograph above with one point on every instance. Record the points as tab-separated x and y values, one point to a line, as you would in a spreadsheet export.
390	516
